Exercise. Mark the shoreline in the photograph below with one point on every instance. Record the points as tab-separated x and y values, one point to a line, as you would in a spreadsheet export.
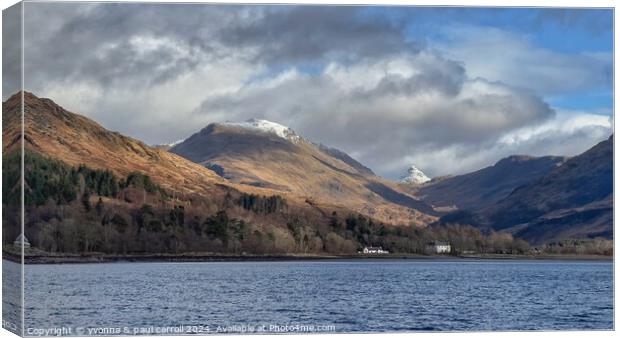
210	257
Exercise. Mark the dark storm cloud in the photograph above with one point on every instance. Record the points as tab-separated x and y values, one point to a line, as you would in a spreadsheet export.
94	41
311	33
447	80
97	42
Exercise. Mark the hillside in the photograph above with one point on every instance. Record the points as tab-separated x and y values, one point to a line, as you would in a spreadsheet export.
264	154
573	200
489	185
583	181
52	130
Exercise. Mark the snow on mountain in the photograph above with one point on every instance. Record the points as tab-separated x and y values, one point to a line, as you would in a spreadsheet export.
167	146
414	176
172	144
268	127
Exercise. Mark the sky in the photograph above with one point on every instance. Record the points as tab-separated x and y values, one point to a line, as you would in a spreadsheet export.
449	90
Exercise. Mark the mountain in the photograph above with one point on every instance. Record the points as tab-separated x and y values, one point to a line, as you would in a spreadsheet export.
264	126
575	195
573	200
266	154
53	131
489	185
255	187
414	176
253	157
344	157
260	189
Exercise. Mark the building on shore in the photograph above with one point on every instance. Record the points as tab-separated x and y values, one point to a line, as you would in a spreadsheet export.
439	247
374	250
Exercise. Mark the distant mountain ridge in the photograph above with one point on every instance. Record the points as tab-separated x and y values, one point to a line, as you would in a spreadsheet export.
573	200
579	192
489	185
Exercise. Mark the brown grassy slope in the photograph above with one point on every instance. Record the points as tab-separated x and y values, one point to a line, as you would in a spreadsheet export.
74	139
258	158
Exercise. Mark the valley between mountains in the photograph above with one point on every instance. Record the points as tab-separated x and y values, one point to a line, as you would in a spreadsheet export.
257	187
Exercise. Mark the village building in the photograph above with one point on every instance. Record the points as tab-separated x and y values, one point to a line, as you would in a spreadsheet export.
439	247
374	250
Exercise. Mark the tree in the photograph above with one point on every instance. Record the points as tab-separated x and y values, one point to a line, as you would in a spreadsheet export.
144	216
333	220
217	226
119	223
99	206
177	216
262	204
86	201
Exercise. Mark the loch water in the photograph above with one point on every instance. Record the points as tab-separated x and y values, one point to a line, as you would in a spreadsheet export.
314	296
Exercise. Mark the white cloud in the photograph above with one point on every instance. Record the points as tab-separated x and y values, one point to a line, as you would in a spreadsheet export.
390	109
498	55
569	133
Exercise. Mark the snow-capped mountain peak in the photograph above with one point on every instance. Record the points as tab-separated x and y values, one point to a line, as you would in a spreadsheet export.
414	176
268	127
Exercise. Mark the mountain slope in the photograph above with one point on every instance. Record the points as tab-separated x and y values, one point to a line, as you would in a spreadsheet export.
53	131
581	180
573	200
489	185
279	159
591	220
344	157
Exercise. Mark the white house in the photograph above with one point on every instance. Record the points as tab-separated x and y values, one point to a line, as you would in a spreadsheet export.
440	247
374	250
20	241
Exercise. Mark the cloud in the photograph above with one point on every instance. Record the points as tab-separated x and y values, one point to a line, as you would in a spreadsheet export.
567	134
499	55
120	44
318	33
141	44
349	77
384	111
